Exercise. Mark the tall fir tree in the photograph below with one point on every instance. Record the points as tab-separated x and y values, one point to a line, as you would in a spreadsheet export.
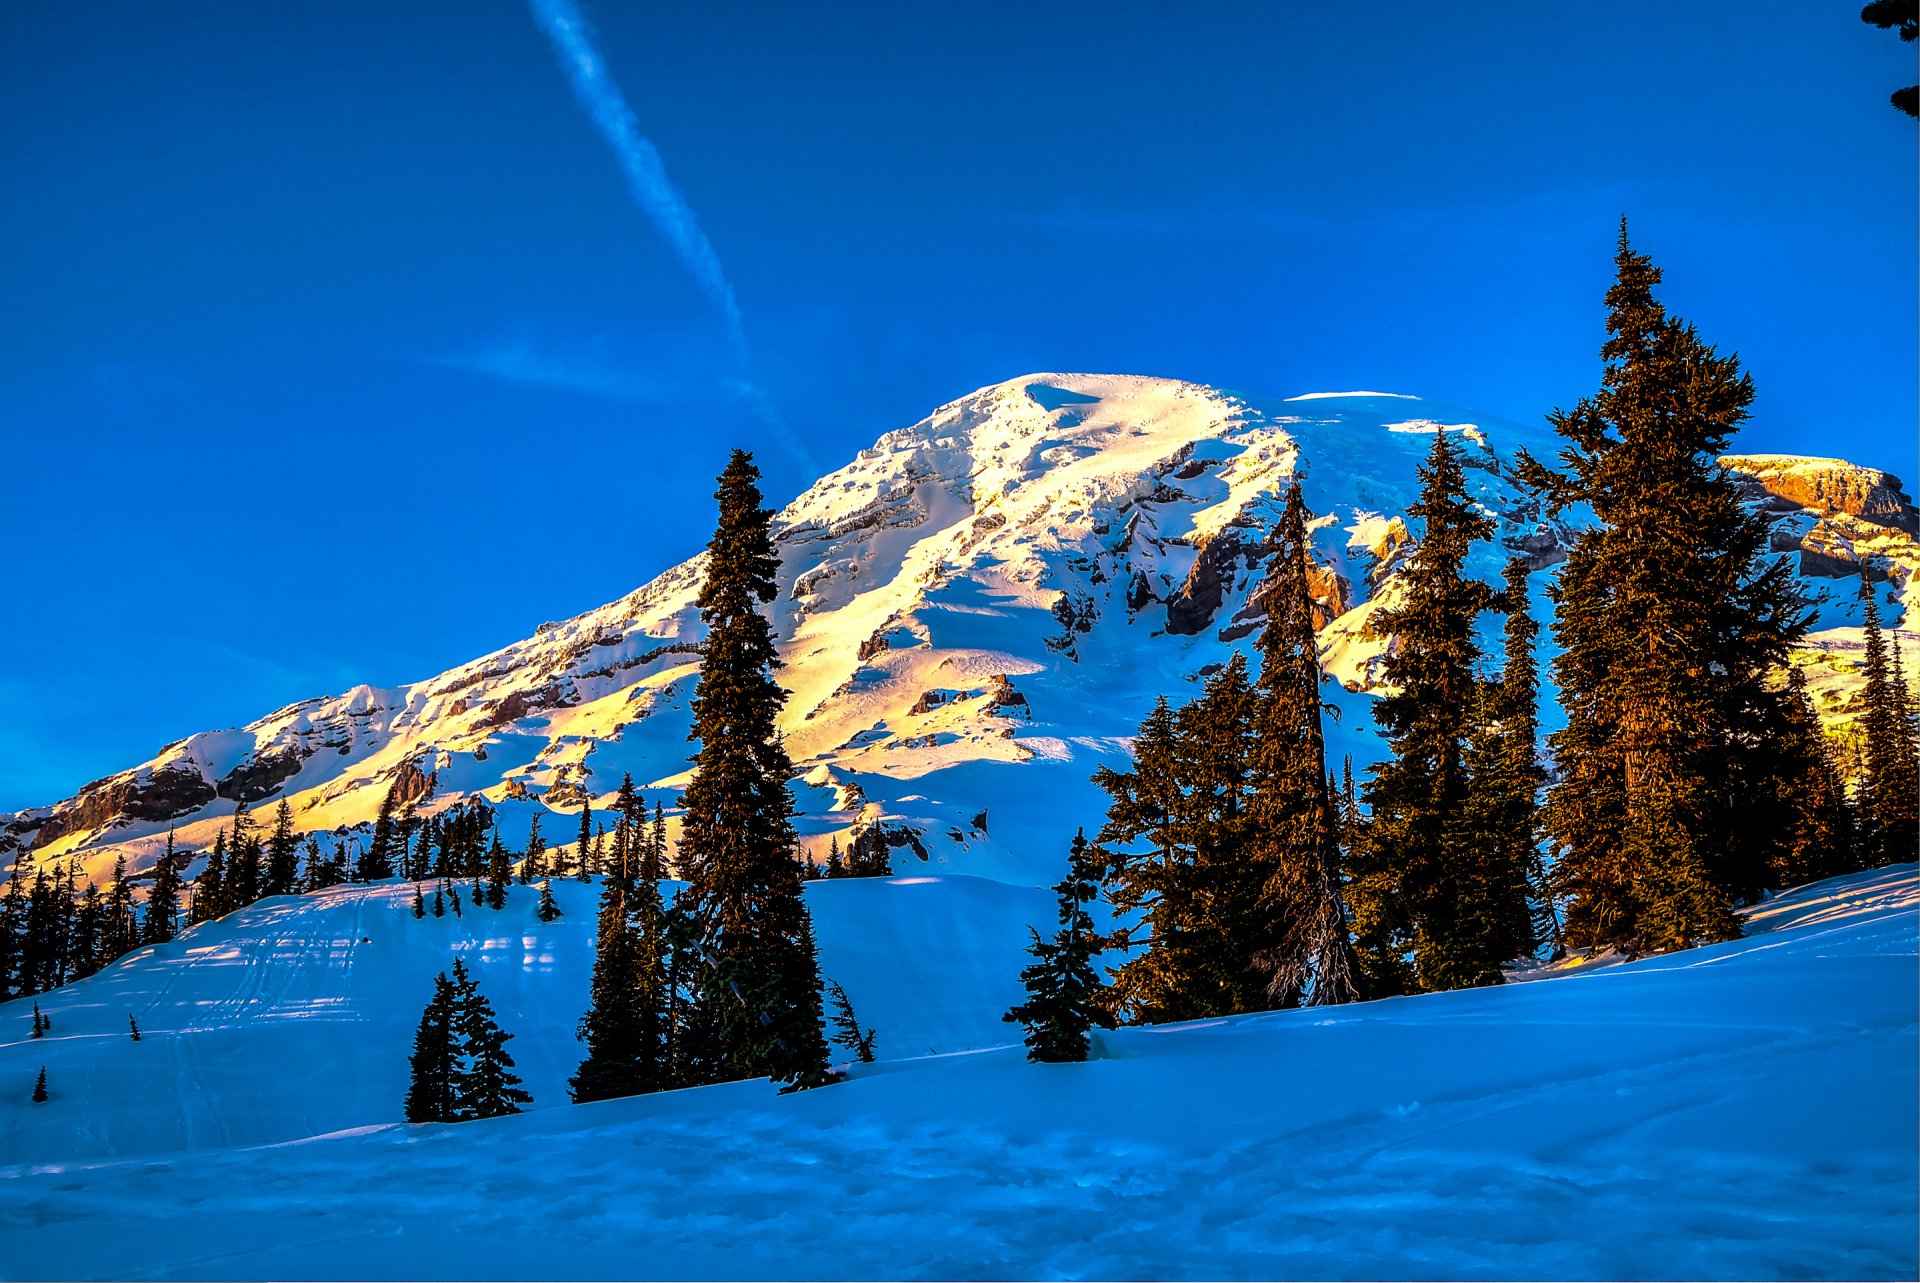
1296	932
533	866
485	1085
761	988
1671	619
620	1060
1424	847
282	869
245	865
433	1066
1820	839
1063	987
1887	789
210	886
583	846
1509	904
163	901
376	858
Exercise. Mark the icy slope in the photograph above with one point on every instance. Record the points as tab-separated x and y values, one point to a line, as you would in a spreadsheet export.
974	613
1741	1111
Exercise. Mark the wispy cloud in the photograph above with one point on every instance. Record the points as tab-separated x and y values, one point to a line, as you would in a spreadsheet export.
525	364
566	26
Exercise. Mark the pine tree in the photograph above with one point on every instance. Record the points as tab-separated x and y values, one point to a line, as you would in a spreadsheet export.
546	910
533	868
39	1023
210	887
439	903
1294	928
1671	619
40	1087
120	927
583	847
761	994
419	902
484	1084
846	1026
430	1089
1819	842
13	936
499	873
163	901
376	860
622	1059
133	1027
283	854
836	863
245	867
1063	988
1888	785
1503	787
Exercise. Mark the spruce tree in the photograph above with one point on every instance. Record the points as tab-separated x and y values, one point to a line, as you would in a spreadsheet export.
1422	835
1063	988
245	864
1671	619
761	990
430	1088
133	1027
376	860
583	847
546	910
484	1084
40	1087
210	887
1295	927
419	902
846	1026
1503	787
163	901
283	854
1887	785
499	873
621	1060
533	868
1819	841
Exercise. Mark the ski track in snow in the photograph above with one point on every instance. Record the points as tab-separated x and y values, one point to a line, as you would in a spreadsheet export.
1744	1110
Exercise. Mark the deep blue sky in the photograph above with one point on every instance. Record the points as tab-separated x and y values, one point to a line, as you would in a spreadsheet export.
333	349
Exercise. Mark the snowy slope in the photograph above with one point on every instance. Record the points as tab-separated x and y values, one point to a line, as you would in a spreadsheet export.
1746	1110
974	613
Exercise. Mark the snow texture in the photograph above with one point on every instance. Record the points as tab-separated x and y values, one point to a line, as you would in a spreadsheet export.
1745	1110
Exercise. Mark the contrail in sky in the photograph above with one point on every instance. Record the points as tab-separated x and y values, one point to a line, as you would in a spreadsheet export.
647	181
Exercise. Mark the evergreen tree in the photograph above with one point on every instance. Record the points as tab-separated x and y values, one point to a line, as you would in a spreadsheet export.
133	1027
836	863
283	854
120	925
163	901
439	903
583	847
40	1087
13	936
485	1085
1819	842
1902	16
546	910
533	868
210	887
1294	930
1503	788
84	956
39	1023
623	1051
419	902
1063	988
376	860
1887	799
846	1026
1671	618
761	993
245	866
499	873
430	1089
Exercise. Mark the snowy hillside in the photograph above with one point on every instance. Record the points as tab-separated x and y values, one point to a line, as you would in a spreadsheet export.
974	613
1745	1110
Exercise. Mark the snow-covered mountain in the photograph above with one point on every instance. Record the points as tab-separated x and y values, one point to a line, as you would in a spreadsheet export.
973	613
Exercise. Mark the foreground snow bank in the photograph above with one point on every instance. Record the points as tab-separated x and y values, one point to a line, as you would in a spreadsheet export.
1740	1111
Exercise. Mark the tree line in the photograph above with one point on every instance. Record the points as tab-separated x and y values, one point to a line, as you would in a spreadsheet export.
1691	777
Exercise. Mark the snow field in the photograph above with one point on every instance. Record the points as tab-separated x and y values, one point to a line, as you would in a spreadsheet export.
1745	1110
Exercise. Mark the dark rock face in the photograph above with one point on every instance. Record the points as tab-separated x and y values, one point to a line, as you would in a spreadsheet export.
412	784
260	775
165	794
1194	606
